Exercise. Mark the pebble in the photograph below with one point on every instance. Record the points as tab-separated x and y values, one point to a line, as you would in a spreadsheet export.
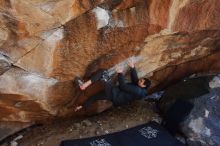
18	137
14	142
86	123
97	132
99	123
41	143
77	125
157	119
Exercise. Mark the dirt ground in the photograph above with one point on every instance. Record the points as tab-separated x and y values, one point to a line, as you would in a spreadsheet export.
113	120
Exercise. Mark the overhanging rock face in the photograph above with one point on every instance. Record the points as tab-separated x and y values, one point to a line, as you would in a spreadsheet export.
45	44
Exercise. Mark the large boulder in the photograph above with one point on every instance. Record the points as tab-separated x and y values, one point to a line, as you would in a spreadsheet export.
202	126
200	121
46	44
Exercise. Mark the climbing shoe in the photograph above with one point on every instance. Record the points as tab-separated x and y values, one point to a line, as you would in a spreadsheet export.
105	76
78	81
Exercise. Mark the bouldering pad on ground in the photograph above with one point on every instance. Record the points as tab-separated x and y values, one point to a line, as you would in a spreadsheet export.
150	134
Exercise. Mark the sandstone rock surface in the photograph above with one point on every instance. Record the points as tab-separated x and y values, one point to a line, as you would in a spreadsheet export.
45	44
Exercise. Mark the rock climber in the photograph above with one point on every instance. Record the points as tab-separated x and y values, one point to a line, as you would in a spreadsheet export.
122	94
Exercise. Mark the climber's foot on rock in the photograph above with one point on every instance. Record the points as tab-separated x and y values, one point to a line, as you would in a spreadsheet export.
78	108
80	83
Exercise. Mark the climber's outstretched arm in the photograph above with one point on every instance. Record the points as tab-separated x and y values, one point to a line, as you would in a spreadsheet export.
133	72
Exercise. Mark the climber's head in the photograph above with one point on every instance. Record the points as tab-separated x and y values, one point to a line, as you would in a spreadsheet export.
144	83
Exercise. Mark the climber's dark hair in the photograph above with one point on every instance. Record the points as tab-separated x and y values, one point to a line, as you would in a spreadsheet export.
147	82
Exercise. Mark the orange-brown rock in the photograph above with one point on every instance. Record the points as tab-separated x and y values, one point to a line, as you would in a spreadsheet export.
45	44
205	16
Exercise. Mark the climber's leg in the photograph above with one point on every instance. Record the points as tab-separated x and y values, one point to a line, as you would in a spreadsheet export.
101	74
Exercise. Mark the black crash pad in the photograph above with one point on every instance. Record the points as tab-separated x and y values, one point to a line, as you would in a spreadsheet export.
150	134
